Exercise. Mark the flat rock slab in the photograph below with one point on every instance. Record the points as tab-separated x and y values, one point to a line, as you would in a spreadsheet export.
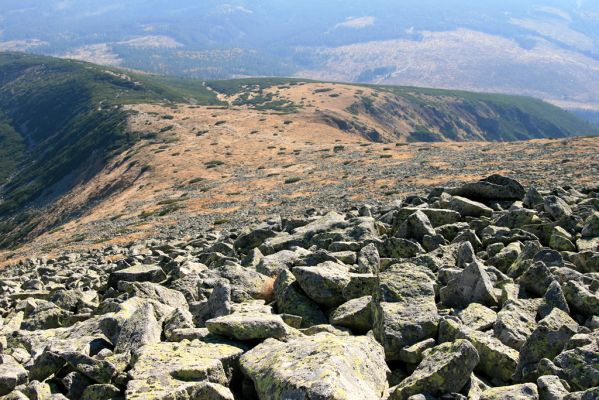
323	366
242	326
137	273
165	368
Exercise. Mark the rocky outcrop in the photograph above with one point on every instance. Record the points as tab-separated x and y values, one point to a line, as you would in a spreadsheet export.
465	293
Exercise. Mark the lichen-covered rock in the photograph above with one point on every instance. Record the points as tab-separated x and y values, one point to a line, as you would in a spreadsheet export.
472	285
323	366
497	360
556	207
536	279
413	354
101	392
404	309
580	366
137	273
551	388
245	326
445	369
527	391
469	208
355	314
591	226
547	341
141	329
324	283
515	322
416	227
476	316
494	187
290	299
180	369
553	298
12	374
581	299
369	260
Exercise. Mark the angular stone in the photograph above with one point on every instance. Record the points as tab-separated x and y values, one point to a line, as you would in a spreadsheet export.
369	260
556	207
355	314
139	330
591	226
526	391
414	353
323	366
290	299
137	273
547	341
553	298
580	366
478	317
516	322
400	248
404	309
178	369
469	208
244	327
436	216
536	279
445	369
99	371
324	283
473	285
416	226
497	361
551	388
581	299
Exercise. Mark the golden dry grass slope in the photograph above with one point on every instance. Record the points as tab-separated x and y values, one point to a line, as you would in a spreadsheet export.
197	167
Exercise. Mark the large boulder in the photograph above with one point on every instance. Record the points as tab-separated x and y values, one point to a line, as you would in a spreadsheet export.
248	327
290	299
472	285
445	369
323	283
494	187
404	309
137	273
469	208
181	369
355	314
322	366
527	391
547	341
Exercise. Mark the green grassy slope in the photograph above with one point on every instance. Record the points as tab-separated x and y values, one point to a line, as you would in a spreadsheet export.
501	117
65	112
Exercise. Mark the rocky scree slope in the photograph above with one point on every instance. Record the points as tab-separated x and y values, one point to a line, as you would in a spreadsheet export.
483	291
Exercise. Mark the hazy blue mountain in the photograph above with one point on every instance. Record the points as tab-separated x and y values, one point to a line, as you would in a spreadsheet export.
545	48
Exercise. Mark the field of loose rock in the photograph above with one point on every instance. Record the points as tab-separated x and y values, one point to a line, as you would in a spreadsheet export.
482	291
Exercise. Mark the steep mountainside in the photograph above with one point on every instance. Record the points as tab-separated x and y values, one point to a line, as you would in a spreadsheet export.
73	134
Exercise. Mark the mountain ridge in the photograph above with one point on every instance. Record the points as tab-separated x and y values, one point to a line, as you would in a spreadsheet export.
86	128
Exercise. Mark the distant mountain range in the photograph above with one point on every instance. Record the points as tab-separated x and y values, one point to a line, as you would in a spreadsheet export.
544	48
